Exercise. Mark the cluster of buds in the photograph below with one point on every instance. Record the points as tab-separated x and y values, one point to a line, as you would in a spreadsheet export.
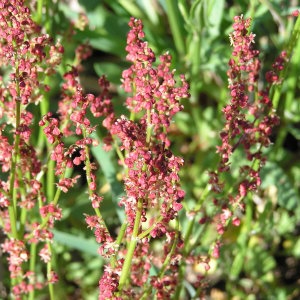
152	168
153	194
249	119
31	56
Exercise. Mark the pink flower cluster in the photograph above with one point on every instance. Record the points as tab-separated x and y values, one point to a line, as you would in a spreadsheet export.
31	56
153	89
151	169
249	119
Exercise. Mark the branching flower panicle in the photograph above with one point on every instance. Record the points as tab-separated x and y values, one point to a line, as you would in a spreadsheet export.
249	119
153	194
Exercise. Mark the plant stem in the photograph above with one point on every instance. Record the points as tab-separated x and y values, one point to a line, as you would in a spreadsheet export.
131	246
44	108
32	267
50	180
121	234
147	231
49	275
185	252
89	179
166	262
12	208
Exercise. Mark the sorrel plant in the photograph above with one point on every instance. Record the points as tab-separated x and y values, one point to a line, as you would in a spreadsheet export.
149	254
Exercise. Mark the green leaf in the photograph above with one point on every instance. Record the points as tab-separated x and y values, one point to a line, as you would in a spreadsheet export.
273	175
215	13
103	41
132	8
237	265
107	31
76	242
296	250
286	223
184	122
113	71
105	160
295	132
89	5
150	10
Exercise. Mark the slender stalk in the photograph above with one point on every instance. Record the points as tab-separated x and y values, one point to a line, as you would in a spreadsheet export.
119	239
88	170
185	252
166	263
49	271
147	231
131	246
44	108
32	267
13	223
23	218
188	234
50	180
12	208
119	152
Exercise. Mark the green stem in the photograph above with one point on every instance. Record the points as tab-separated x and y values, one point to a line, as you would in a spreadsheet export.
57	195
12	208
132	116
32	267
88	170
49	275
55	201
44	109
13	223
119	152
23	218
131	247
185	252
166	262
147	231
188	234
121	234
50	180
